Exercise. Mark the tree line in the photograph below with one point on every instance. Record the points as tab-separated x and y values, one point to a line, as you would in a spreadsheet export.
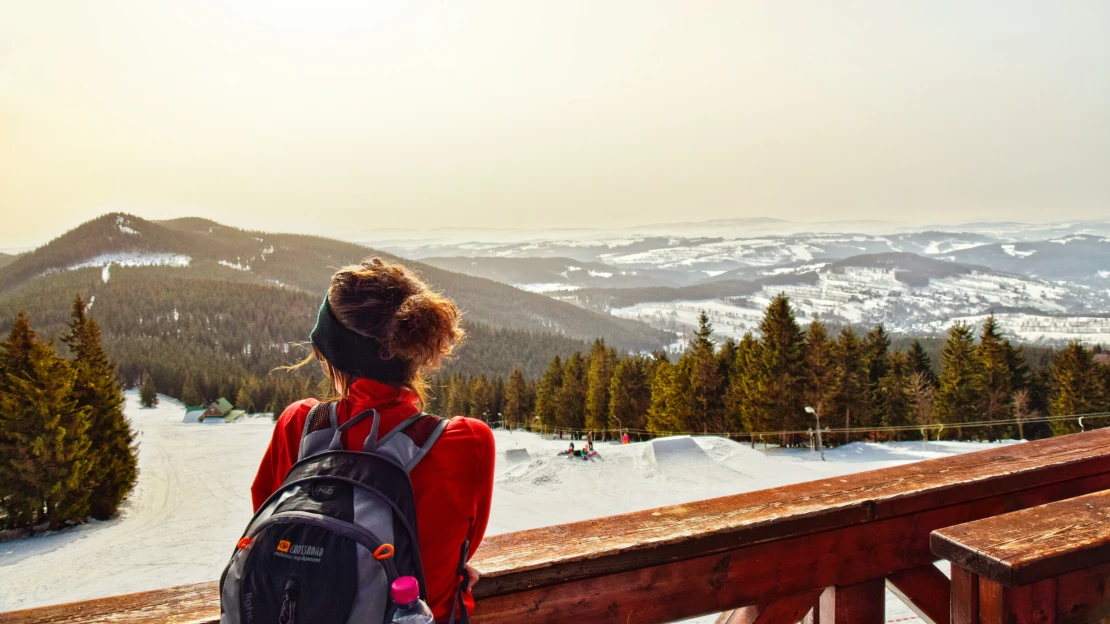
763	384
200	339
67	451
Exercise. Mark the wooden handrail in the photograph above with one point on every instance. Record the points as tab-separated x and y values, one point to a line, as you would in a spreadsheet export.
1046	564
756	548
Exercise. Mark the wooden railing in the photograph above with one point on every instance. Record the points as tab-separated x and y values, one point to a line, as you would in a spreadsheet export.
766	556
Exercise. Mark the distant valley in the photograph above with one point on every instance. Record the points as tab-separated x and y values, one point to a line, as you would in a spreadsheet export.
1047	283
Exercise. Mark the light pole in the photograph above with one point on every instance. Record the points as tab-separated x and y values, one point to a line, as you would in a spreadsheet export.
810	410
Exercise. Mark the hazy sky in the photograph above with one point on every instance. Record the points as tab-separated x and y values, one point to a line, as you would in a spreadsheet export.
345	117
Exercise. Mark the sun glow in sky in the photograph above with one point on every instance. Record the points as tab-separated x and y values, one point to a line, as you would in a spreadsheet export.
344	118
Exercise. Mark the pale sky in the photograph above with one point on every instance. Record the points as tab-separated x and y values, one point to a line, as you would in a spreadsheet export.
343	117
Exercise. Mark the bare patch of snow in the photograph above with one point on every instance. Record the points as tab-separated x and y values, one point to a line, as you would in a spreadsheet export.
600	273
543	287
123	227
238	266
135	259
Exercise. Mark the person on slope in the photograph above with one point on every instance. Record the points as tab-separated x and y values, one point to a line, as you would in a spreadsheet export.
414	329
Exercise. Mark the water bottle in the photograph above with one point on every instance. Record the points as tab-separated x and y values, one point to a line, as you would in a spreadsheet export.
409	608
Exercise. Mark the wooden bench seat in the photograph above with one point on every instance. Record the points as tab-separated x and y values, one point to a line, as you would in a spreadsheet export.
1045	564
835	542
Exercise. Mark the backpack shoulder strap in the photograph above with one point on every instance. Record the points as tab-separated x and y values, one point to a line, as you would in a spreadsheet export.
409	441
319	428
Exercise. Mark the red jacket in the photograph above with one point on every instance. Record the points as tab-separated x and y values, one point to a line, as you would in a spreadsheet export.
453	484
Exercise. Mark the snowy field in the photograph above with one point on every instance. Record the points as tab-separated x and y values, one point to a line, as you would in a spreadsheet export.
193	499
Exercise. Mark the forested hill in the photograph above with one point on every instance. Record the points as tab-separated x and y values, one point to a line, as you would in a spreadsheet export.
6	259
191	248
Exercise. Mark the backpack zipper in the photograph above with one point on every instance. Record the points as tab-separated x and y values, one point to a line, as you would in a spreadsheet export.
351	531
288	612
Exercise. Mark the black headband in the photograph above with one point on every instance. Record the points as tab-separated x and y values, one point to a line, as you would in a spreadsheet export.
353	353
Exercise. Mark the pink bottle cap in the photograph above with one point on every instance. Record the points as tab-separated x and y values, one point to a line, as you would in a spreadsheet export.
405	590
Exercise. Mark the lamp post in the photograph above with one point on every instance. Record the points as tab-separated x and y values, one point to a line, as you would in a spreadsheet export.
810	410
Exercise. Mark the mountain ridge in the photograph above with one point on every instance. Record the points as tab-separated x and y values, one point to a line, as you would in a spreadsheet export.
194	247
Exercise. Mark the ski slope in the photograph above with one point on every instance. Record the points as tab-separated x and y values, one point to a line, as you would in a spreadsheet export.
192	500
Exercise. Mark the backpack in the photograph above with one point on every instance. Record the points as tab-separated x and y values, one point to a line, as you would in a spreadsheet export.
327	545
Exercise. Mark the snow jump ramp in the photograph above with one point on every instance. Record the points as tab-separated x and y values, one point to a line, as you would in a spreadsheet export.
678	452
517	456
683	459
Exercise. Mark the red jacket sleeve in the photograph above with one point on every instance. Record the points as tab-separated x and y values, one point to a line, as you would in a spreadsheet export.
282	452
483	482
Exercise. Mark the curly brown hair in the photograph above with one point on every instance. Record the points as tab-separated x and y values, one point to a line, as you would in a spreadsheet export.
392	305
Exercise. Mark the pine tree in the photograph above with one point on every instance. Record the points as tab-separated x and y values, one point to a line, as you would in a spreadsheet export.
776	378
896	395
114	458
699	364
995	358
481	398
849	381
148	394
738	409
191	394
670	405
570	400
16	362
876	354
629	394
45	446
602	362
820	367
497	400
1077	386
516	411
546	392
458	396
921	363
246	396
957	397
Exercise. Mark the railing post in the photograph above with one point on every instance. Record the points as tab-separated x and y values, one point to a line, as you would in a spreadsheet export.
1027	604
863	603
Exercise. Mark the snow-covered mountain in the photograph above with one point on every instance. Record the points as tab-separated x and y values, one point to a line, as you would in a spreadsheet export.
1052	281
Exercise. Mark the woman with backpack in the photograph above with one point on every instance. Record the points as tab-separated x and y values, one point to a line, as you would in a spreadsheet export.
380	329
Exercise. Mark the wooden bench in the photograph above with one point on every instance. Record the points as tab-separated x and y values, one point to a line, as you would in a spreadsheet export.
1045	564
768	556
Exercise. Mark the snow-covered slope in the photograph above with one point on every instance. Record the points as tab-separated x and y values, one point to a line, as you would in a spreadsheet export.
193	498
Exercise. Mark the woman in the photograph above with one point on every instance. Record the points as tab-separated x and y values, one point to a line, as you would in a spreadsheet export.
414	328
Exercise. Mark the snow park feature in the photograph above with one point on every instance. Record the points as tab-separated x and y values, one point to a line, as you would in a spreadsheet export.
165	537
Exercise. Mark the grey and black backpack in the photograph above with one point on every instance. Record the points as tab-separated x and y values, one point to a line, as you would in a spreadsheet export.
327	545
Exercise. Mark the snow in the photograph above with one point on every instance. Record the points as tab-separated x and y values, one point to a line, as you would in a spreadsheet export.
871	295
600	273
237	265
192	499
106	272
1010	249
543	287
135	259
122	225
